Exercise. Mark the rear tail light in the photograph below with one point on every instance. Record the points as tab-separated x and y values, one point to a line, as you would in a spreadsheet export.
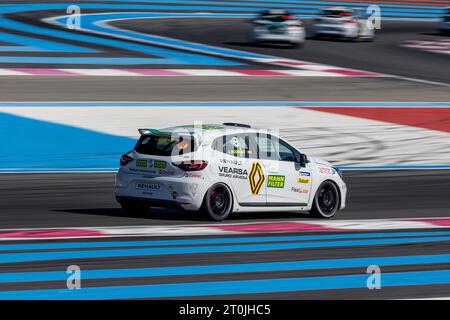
191	165
125	159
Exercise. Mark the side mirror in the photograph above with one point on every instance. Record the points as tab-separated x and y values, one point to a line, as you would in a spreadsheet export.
303	160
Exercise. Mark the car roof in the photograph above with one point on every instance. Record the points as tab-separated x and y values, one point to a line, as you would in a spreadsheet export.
275	12
212	130
338	8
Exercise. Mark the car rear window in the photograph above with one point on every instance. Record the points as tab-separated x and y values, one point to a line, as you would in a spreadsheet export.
276	16
335	13
159	145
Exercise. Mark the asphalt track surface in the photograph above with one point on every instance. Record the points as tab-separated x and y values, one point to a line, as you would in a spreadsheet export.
87	199
69	200
384	55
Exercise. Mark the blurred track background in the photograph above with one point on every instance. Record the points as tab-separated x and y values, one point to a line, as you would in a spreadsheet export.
161	63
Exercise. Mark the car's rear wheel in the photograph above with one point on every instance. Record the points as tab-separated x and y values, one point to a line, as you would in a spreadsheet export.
218	202
326	201
134	208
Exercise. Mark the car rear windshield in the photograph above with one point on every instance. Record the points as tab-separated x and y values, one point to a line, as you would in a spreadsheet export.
335	13
276	17
160	145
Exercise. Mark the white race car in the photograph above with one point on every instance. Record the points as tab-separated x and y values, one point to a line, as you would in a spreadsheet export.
277	26
444	25
225	168
343	22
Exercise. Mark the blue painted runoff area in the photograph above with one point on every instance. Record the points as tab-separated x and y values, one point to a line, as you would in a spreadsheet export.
29	144
6	258
228	268
415	278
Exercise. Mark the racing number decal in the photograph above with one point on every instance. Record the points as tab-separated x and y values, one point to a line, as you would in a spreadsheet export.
255	186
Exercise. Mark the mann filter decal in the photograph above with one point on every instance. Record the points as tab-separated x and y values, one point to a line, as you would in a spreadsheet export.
141	163
275	181
256	178
159	164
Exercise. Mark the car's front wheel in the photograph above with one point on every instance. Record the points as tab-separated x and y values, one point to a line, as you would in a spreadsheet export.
134	208
218	202
326	201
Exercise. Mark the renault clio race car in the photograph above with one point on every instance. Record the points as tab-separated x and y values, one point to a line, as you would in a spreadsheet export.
343	22
277	26
225	168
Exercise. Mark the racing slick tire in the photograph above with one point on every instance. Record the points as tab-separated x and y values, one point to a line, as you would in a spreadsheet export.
326	201
218	202
134	208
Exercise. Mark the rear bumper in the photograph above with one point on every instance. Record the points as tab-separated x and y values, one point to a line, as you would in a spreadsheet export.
152	202
297	36
335	30
185	193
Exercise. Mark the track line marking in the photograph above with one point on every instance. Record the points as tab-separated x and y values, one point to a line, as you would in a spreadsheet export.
223	229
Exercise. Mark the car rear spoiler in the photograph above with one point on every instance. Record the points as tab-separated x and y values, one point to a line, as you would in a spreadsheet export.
154	131
157	132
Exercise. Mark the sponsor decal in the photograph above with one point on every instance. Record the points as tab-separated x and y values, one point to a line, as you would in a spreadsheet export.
231	161
235	173
164	139
141	163
275	181
182	145
173	192
148	177
303	180
256	183
143	171
193	175
239	152
158	164
148	186
324	170
166	172
299	190
305	174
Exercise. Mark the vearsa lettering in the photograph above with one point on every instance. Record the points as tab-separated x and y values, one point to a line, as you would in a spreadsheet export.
233	170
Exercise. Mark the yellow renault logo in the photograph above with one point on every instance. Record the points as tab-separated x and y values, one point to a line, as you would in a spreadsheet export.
255	186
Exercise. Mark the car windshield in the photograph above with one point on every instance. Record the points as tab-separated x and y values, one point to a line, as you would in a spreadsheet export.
335	13
161	145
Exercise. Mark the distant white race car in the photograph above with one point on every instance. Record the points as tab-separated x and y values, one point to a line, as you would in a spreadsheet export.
277	26
444	25
343	22
225	168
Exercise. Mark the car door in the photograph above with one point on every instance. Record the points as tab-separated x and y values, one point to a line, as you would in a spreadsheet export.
238	164
288	184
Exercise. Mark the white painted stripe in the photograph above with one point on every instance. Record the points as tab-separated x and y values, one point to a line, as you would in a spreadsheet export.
435	298
216	229
319	67
206	72
376	224
102	72
308	73
11	72
315	71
